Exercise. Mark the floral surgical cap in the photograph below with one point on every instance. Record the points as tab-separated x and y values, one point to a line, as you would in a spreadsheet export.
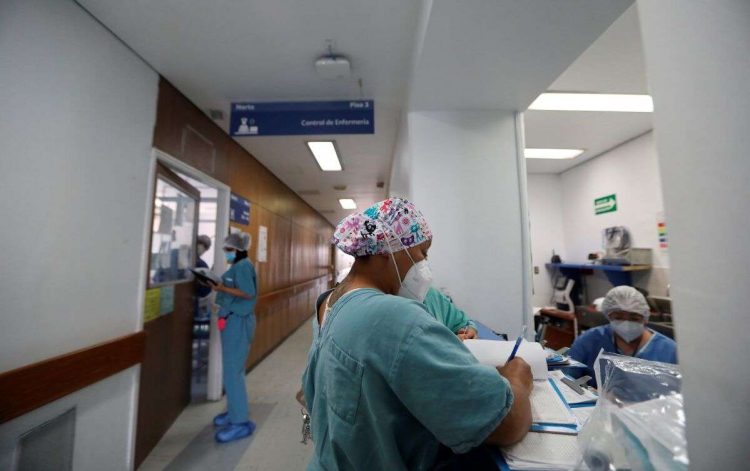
385	227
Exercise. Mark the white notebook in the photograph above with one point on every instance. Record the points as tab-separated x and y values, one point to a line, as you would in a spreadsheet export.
496	353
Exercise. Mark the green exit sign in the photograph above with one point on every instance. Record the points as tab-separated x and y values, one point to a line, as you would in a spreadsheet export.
605	204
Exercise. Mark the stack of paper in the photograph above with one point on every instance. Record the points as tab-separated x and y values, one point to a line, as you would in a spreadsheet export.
549	413
496	353
544	452
571	396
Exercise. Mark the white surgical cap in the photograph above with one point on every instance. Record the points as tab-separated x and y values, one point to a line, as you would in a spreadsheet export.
237	241
627	299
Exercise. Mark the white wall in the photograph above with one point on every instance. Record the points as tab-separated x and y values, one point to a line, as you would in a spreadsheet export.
546	220
465	180
702	119
75	138
630	171
400	178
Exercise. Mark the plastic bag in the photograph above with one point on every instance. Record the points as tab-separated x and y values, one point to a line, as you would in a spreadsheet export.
639	421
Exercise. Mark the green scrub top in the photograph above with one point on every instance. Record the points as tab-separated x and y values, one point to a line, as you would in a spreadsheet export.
241	276
446	312
385	383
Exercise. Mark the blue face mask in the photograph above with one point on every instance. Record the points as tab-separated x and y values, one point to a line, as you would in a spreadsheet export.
230	256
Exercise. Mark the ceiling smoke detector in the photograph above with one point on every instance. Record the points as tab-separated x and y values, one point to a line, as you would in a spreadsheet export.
333	66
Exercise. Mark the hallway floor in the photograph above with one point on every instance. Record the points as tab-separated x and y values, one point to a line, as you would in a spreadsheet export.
275	445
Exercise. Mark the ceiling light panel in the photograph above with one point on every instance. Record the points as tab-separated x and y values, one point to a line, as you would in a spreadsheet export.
531	153
348	203
326	156
593	102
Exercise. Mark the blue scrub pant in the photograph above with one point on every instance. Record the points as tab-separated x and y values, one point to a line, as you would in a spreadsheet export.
235	346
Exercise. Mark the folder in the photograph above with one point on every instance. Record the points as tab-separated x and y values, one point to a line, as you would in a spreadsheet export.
549	411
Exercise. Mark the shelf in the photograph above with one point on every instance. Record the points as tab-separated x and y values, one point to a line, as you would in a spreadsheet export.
617	274
591	266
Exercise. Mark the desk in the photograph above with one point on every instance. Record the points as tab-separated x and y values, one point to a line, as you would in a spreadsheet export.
485	333
560	328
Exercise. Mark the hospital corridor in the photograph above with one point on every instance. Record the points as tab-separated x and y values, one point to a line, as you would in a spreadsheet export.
352	235
277	444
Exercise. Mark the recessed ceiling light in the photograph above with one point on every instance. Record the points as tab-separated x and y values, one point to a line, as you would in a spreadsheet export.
325	154
552	153
348	203
593	102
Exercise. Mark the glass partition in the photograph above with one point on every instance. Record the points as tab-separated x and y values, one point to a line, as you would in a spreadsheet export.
172	236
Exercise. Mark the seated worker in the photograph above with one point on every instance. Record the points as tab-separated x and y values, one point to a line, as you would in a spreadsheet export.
449	315
386	384
626	333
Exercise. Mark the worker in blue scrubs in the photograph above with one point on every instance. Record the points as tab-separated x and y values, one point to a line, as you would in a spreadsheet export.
386	384
236	296
627	311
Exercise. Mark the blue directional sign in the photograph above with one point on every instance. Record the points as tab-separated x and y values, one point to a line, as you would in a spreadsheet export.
303	118
239	209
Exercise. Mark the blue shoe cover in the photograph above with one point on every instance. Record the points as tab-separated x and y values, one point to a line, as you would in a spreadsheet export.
221	419
233	432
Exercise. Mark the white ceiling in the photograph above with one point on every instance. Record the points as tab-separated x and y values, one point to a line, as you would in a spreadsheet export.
614	63
481	54
219	52
491	54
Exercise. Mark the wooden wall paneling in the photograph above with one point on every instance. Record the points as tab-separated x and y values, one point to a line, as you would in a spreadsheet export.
166	363
27	388
183	131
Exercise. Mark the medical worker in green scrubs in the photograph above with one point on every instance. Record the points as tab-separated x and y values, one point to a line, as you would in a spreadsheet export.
236	296
448	314
387	385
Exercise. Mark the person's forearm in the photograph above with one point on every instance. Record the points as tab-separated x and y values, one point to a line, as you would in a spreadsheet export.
234	292
517	423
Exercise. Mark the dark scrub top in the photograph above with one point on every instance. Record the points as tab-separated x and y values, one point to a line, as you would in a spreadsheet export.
588	345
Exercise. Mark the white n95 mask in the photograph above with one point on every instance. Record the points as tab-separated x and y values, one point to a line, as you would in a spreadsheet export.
417	282
628	330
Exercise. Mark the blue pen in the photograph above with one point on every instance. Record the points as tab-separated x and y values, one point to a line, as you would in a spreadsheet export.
518	344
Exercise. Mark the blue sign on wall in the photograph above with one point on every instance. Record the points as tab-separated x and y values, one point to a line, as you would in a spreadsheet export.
304	117
239	209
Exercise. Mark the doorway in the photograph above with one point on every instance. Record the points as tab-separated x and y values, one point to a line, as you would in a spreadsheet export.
203	297
185	203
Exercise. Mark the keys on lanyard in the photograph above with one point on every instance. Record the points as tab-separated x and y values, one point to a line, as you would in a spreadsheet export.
306	430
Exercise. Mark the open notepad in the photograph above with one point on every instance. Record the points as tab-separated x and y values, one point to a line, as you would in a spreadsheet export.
496	353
